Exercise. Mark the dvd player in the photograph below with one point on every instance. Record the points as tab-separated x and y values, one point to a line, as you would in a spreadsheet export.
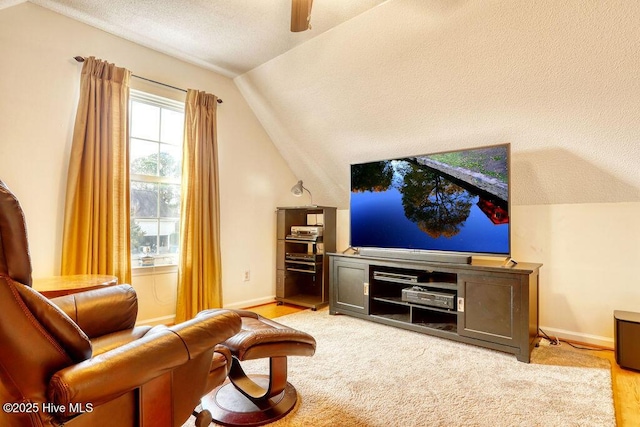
399	277
425	296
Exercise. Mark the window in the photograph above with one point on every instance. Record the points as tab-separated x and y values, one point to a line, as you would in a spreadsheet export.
156	158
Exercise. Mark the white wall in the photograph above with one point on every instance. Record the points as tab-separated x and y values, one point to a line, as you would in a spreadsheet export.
556	79
39	86
590	254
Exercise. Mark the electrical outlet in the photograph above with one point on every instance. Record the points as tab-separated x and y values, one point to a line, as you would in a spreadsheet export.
247	275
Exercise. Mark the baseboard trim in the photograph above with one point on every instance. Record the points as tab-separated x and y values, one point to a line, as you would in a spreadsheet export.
577	337
170	319
251	302
164	320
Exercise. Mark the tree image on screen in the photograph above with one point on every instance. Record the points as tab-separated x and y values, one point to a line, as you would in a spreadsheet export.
437	206
374	177
454	201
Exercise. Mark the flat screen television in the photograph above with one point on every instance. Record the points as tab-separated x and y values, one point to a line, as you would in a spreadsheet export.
454	202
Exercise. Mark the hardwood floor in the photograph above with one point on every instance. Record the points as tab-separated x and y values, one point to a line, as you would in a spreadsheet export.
626	391
625	383
272	310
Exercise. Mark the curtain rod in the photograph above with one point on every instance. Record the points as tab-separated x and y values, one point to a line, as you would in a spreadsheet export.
81	59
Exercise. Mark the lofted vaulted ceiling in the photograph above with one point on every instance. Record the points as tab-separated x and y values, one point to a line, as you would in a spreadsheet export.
556	79
226	36
379	79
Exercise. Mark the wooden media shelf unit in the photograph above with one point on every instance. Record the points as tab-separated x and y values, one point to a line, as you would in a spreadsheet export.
483	303
302	267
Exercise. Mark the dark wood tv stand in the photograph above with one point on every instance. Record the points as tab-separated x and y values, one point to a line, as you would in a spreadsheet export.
495	306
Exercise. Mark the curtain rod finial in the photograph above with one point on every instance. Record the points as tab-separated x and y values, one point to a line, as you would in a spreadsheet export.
79	58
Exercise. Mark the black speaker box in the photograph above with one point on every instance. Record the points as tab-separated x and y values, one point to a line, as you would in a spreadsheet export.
627	339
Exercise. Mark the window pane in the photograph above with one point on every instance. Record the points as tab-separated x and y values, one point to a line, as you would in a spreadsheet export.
172	126
144	157
145	121
169	201
144	199
169	232
144	236
165	259
170	160
156	137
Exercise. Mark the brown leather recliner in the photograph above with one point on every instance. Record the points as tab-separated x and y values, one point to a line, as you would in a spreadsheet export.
79	360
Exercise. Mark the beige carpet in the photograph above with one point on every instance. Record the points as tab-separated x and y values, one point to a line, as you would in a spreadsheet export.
366	374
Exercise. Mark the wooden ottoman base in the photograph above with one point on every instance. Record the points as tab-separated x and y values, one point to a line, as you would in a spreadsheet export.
229	407
258	399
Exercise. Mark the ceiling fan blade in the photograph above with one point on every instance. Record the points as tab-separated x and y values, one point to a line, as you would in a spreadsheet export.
300	15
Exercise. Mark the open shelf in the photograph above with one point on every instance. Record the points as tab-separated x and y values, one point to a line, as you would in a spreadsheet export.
302	270
435	319
391	300
289	261
399	301
305	241
423	316
401	286
303	300
304	267
439	285
397	317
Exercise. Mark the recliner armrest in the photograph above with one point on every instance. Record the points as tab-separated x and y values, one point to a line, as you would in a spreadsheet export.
125	368
101	311
114	373
207	326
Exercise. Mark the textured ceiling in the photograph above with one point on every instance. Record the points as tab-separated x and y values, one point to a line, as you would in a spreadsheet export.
226	36
556	79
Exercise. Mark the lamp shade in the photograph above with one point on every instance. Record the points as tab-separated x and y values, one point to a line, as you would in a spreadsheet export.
297	189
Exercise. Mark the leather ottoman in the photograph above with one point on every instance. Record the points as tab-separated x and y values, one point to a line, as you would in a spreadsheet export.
258	399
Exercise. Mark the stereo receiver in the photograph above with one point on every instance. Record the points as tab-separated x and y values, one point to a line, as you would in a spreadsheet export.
305	232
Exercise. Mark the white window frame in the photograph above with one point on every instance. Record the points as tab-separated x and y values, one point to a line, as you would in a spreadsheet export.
165	103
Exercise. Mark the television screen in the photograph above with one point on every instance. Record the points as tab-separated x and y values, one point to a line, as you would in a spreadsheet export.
455	201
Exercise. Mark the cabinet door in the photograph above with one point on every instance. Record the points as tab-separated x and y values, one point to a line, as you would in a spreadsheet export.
491	308
349	286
